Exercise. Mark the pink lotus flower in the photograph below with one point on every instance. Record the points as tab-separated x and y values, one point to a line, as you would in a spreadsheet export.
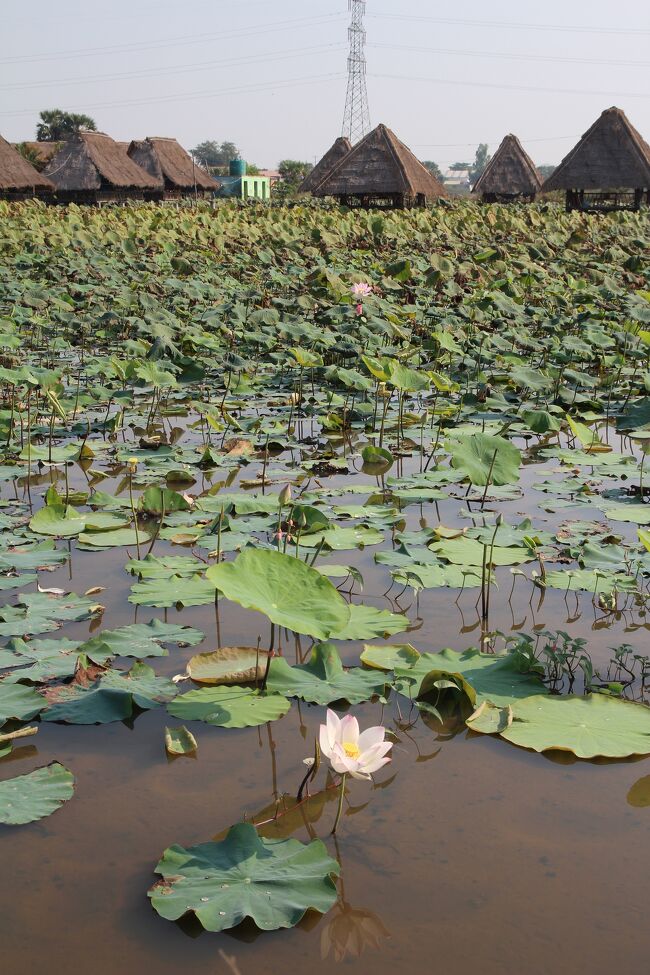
361	289
359	754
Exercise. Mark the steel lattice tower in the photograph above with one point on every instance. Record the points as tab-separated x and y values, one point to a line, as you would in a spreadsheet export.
356	119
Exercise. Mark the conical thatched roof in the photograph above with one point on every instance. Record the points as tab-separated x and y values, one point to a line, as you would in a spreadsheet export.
166	160
611	155
510	172
19	176
92	161
382	165
324	166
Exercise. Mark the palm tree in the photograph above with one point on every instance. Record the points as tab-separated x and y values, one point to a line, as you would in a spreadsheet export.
56	125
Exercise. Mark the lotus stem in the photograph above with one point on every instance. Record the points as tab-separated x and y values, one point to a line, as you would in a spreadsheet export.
340	805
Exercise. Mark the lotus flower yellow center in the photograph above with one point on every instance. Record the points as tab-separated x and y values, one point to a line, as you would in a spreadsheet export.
352	751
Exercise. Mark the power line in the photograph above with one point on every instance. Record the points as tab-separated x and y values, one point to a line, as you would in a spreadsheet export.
266	86
467	145
509	25
177	69
137	46
514	57
507	87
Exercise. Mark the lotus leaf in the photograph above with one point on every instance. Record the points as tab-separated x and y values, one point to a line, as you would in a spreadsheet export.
285	589
229	707
38	794
324	679
274	882
229	665
484	458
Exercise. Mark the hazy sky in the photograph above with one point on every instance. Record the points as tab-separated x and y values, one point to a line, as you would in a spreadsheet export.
271	76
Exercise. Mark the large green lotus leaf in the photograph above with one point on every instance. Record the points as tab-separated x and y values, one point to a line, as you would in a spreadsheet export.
157	500
285	589
17	582
41	556
274	882
91	705
340	539
391	656
324	678
483	677
184	590
228	665
57	520
112	539
39	660
423	576
482	456
229	707
468	551
102	521
41	612
590	580
162	567
18	701
36	795
141	640
367	623
591	726
637	513
141	681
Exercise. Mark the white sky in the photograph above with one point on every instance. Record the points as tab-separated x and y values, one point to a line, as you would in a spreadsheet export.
271	76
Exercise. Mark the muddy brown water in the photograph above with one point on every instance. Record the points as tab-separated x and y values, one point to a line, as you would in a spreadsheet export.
467	853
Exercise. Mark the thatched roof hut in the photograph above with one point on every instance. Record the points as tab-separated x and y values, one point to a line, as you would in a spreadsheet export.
509	176
93	168
380	171
608	169
166	160
18	178
324	166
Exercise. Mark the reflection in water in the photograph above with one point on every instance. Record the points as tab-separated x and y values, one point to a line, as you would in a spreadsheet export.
639	794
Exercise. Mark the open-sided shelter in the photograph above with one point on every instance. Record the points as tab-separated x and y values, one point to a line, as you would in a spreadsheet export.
166	160
93	168
18	178
609	168
380	171
326	164
510	176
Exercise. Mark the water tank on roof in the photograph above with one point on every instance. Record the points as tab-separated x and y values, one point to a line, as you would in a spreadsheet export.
237	167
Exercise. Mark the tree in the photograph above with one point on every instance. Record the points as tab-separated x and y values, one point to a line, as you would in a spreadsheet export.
434	169
292	172
216	155
480	161
458	167
56	125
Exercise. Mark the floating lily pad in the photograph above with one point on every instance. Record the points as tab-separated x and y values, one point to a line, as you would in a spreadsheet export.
483	457
229	707
19	702
368	622
182	590
38	794
228	665
324	678
274	882
57	520
180	741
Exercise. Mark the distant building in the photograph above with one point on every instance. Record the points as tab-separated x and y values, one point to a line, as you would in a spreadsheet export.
93	168
609	168
273	174
380	171
510	176
241	186
18	178
457	177
166	160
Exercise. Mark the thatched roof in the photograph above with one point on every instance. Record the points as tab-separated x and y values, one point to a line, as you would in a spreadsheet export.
379	164
324	166
90	160
19	176
43	151
510	172
165	159
611	155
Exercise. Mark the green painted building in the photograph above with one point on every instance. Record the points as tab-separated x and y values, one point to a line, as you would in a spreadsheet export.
241	185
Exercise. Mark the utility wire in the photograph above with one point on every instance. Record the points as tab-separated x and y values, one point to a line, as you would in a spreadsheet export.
185	39
514	57
179	68
510	25
507	87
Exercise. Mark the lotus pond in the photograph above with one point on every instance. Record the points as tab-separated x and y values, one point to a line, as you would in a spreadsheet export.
259	464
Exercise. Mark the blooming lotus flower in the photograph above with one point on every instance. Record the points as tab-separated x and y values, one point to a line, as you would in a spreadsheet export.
349	751
361	289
